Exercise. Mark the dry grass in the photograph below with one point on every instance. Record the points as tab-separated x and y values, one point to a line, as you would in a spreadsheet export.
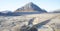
38	18
57	29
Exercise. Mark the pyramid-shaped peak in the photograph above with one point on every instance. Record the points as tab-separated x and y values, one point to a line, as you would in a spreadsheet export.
30	4
30	7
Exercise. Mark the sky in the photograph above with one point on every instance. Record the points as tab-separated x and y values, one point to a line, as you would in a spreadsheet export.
12	5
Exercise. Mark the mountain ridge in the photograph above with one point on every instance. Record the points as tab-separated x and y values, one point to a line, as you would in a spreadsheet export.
29	8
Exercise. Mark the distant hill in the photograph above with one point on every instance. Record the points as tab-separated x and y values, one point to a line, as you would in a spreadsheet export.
56	11
6	13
